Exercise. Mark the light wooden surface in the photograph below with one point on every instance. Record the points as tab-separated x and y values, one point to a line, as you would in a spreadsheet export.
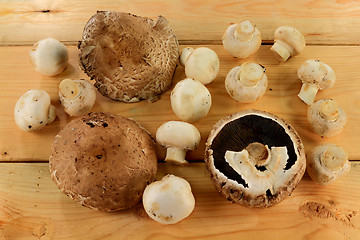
32	207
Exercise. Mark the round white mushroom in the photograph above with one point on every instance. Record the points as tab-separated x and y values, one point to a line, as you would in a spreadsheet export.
178	137
169	200
246	83
77	96
49	56
33	110
190	100
202	65
314	75
242	39
327	162
326	118
288	42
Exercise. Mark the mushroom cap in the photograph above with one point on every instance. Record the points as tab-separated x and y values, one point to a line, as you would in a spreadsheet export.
33	110
178	134
103	161
292	37
130	57
316	72
255	185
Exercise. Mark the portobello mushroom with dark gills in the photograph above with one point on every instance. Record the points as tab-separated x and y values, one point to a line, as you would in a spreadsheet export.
255	158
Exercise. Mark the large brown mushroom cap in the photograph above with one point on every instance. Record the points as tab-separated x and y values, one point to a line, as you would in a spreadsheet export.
248	181
130	57
103	161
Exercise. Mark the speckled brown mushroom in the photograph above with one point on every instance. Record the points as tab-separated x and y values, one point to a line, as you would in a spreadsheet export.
130	57
255	158
103	161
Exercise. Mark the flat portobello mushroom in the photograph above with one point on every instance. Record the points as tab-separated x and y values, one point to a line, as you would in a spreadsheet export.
131	58
103	161
255	158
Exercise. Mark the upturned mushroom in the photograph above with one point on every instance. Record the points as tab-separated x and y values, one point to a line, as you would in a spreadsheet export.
242	39
169	200
202	65
178	137
76	96
326	163
288	42
131	58
246	83
315	76
255	158
190	100
49	56
33	110
326	118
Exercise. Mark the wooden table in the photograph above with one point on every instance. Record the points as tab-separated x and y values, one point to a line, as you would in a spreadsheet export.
32	207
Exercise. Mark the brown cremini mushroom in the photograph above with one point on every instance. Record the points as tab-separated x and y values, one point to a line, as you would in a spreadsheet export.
255	158
103	161
131	58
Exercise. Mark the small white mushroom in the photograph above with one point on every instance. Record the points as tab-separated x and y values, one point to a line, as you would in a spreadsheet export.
76	96
49	56
169	200
326	118
178	137
242	39
314	75
33	110
327	162
202	65
288	42
185	53
190	100
246	83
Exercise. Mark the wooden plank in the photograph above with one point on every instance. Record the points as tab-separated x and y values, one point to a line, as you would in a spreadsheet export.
17	76
321	21
32	207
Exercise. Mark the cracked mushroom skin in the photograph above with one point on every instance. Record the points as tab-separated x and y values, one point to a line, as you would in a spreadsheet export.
315	76
326	118
288	42
242	39
246	83
255	158
131	58
326	163
103	161
33	110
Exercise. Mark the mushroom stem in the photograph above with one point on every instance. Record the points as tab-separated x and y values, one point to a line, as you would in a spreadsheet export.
244	31
281	51
185	53
329	110
308	92
334	158
250	74
69	89
52	114
259	152
176	156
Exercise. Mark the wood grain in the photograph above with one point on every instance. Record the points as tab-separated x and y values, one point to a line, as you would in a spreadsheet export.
322	22
32	207
17	76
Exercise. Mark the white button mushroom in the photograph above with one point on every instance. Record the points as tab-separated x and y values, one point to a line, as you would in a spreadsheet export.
288	42
326	118
246	83
327	162
241	40
185	53
202	65
178	137
33	110
76	96
169	200
314	75
49	56
190	100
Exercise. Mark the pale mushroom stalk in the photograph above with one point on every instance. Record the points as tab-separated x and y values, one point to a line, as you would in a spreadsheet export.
185	53
178	137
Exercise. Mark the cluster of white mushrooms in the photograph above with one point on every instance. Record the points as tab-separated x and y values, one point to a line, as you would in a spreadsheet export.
33	110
